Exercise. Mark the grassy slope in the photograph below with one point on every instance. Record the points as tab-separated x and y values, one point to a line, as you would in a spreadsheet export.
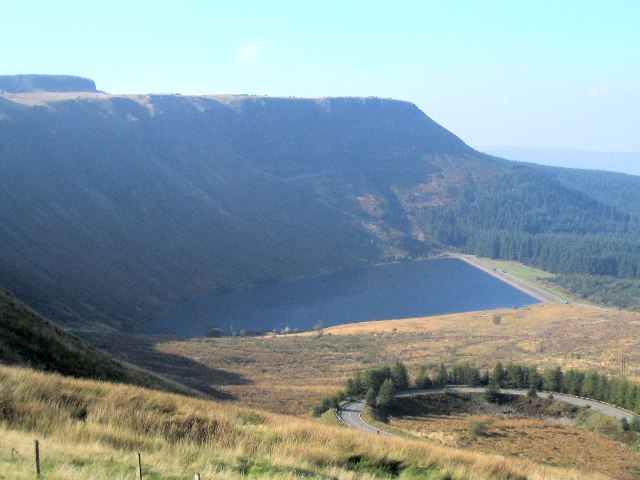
27	339
91	429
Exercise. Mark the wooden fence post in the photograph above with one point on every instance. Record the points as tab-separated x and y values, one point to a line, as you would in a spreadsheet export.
37	444
139	467
196	476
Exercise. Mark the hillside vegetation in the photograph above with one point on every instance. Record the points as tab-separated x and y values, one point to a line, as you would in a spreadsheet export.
114	208
95	430
523	427
291	373
616	189
30	340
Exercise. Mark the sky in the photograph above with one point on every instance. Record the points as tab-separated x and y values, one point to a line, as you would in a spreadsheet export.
553	74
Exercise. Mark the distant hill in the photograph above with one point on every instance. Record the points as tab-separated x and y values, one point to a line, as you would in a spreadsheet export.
113	208
45	83
27	339
620	190
621	162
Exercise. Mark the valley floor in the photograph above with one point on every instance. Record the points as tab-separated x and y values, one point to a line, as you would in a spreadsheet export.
290	373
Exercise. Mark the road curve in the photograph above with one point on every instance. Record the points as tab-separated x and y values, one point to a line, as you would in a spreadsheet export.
351	412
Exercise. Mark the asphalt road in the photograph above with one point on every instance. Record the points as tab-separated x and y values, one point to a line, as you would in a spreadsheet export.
351	413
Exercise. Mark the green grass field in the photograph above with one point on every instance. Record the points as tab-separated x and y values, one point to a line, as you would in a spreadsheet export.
530	275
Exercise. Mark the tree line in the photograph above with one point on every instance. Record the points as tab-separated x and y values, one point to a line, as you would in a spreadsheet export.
610	291
528	219
378	385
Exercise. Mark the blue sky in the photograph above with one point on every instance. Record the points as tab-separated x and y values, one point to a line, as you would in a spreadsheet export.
561	74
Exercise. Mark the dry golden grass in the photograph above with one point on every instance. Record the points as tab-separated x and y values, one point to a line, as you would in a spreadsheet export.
90	429
534	439
289	374
554	334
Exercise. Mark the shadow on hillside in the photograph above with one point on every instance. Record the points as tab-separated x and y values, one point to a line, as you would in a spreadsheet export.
140	350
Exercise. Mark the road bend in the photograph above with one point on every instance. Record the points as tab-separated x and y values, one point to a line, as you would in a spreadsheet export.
351	412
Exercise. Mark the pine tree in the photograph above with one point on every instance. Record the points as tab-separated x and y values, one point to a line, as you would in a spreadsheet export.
499	375
422	379
442	376
350	388
387	394
399	375
552	380
370	398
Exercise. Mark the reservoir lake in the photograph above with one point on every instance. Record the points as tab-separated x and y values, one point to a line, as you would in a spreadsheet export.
376	292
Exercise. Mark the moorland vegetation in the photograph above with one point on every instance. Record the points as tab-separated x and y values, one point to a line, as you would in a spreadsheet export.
95	429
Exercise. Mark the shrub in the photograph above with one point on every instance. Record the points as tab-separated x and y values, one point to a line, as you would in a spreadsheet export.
213	332
624	423
478	429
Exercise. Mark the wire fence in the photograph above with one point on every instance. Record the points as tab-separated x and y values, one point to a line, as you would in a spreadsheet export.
22	450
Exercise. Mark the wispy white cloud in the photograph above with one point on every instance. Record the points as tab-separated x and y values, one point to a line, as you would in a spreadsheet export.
599	91
604	90
249	52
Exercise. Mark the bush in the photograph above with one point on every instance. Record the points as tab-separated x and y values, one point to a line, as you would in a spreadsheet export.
624	423
213	332
478	429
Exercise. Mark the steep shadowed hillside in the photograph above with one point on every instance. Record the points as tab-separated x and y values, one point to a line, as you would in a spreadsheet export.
114	207
32	341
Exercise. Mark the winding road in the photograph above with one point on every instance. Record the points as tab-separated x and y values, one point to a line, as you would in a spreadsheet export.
351	412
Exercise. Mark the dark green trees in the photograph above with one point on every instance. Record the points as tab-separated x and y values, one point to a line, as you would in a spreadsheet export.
399	376
422	378
387	394
442	376
552	379
380	384
370	398
499	375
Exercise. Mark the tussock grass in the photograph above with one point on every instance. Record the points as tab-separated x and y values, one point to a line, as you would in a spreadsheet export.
90	429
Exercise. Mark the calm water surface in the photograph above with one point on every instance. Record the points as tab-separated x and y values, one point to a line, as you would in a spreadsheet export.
398	290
